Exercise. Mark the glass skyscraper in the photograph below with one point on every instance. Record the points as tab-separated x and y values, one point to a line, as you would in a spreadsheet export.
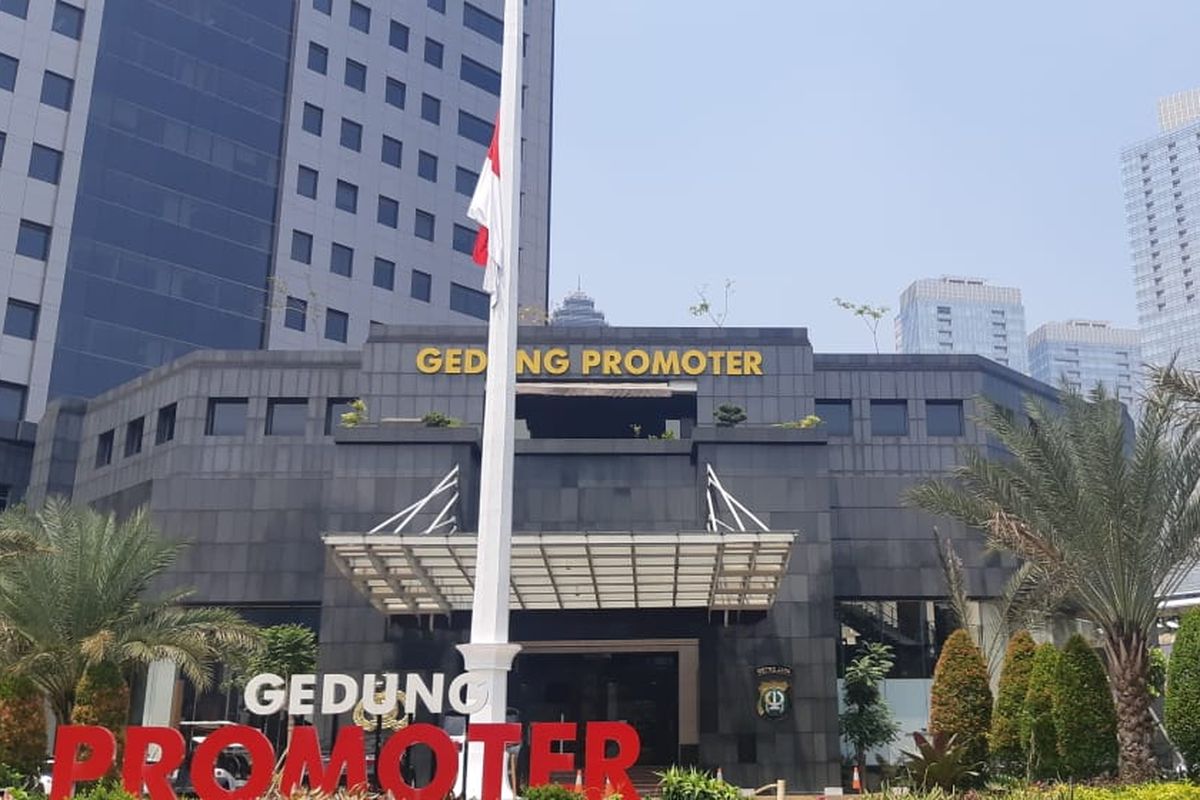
578	310
183	174
1162	207
1084	353
963	315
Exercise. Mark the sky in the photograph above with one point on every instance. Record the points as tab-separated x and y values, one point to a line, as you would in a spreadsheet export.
808	150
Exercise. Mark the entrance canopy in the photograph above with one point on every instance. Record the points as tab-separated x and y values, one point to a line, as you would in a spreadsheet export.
434	574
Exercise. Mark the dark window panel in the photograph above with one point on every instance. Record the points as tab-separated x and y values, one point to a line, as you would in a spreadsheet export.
464	239
468	301
465	181
427	166
57	90
314	118
334	408
337	325
287	416
68	20
18	8
8	72
45	163
226	416
324	6
318	58
341	260
421	287
164	431
388	213
431	109
21	319
482	22
351	135
889	418
398	36
356	75
480	75
437	5
475	129
391	151
302	247
944	417
385	274
434	52
395	93
104	448
295	313
360	17
306	181
33	240
835	417
134	432
347	197
423	225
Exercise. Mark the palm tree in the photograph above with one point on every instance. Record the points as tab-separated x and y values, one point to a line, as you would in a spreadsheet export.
1105	521
84	598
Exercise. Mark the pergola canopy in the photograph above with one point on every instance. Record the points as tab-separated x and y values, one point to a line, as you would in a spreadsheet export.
434	574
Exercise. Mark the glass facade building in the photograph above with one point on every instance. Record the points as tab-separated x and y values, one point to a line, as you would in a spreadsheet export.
1084	353
1162	207
578	309
963	315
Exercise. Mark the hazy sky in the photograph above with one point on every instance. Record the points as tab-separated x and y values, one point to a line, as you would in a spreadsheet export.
808	150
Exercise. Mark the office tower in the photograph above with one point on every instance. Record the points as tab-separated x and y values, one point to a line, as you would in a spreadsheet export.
1162	207
1085	353
963	315
218	173
578	310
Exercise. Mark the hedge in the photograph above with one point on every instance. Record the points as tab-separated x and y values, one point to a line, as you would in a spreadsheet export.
1183	690
1005	742
1038	736
961	701
22	725
1084	715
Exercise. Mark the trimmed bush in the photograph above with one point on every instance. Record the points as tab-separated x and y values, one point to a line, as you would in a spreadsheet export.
1183	690
1005	742
22	725
961	702
1038	736
102	698
1084	715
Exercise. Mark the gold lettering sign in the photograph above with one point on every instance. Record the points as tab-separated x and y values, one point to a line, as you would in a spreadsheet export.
608	362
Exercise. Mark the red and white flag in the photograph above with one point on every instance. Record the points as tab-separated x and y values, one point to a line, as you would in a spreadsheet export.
486	209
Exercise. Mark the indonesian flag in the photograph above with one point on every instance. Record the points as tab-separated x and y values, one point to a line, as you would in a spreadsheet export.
485	208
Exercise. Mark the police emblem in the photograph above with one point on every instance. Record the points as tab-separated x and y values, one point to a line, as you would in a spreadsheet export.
774	691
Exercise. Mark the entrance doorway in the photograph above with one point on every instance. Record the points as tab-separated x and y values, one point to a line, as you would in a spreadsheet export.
640	688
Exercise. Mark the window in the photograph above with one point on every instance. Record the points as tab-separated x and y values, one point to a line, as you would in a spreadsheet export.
334	408
473	128
314	118
471	302
318	58
3	141
395	93
916	630
421	287
165	430
5	495
33	240
385	274
8	72
943	309
480	75
287	416
434	52
464	239
398	36
226	416
302	247
104	449
482	22
18	8
437	5
427	166
134	431
360	17
431	109
423	225
889	417
835	417
12	401
306	182
351	135
21	319
347	197
388	213
464	181
944	417
57	90
295	313
324	6
68	20
45	163
341	260
391	151
337	323
356	75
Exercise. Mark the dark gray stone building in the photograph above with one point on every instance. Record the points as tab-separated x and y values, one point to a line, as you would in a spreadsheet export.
243	454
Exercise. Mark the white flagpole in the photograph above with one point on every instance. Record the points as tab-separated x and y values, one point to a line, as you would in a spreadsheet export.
489	654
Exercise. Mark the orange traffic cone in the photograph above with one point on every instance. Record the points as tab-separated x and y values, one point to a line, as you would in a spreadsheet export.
856	781
608	789
720	775
579	781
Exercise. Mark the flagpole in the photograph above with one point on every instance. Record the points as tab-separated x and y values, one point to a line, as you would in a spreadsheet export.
489	654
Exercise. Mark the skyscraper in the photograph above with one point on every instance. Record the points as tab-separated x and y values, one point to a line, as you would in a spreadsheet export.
963	315
219	173
1162	208
1087	352
578	310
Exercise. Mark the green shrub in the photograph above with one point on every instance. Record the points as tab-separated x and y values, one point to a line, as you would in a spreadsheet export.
436	419
551	791
105	790
961	699
102	698
729	415
692	784
1183	690
1084	716
940	762
1038	735
1005	742
22	725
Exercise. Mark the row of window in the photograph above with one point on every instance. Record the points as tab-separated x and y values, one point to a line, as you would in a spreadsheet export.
890	417
474	18
67	19
354	72
135	431
470	127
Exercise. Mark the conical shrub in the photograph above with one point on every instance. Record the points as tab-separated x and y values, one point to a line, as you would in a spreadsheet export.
1183	690
1005	743
22	725
1039	739
961	701
1084	715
